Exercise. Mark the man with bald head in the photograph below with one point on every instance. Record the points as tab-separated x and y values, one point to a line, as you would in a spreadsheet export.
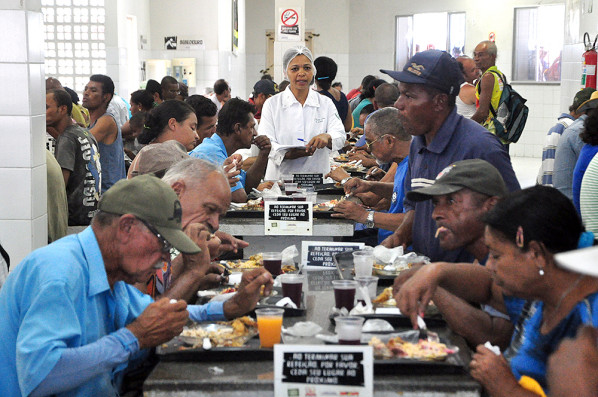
490	85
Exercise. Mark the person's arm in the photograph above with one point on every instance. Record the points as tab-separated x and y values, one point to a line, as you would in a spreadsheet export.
348	122
467	94
126	131
78	365
105	130
66	174
404	233
256	172
487	87
335	127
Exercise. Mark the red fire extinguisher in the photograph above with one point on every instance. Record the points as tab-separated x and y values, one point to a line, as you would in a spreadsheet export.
589	62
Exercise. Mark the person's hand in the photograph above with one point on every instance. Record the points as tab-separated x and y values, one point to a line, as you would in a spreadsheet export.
202	236
160	322
401	236
295	153
492	371
232	168
263	144
230	243
248	293
338	174
360	155
356	131
404	276
350	210
213	277
318	142
415	293
573	367
375	174
265	185
356	185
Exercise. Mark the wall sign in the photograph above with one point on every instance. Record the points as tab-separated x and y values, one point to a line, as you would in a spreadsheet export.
170	43
191	44
320	253
319	370
288	25
283	218
308	179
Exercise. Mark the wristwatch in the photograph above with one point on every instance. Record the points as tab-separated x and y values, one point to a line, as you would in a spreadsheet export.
369	223
345	180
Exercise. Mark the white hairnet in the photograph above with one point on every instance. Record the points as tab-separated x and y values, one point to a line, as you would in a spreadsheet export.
293	52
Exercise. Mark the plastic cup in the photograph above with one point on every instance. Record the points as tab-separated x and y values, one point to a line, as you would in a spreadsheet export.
348	329
290	188
299	197
371	282
287	178
312	196
363	263
292	285
344	293
273	262
269	325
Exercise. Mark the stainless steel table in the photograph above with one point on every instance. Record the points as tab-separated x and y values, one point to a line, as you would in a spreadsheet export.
255	378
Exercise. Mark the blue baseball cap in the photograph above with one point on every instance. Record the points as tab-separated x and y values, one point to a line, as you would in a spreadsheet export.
434	68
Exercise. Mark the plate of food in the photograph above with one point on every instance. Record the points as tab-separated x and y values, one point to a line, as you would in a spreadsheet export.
254	262
233	340
341	158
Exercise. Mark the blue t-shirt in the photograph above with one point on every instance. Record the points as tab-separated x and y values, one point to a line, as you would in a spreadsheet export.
398	195
213	150
529	350
457	139
585	156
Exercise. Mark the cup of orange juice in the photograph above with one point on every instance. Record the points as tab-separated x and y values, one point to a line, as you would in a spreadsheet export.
269	325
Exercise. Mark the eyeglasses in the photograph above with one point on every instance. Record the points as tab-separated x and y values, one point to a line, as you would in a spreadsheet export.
166	246
368	145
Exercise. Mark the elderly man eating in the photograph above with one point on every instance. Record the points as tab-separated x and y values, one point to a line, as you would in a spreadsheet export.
70	320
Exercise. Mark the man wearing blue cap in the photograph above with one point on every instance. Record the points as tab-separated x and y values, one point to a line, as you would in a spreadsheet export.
429	85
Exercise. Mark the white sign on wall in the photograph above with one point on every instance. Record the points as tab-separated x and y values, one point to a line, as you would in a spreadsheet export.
191	44
288	24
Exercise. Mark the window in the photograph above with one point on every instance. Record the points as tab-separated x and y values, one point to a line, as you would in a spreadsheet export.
75	40
537	44
419	32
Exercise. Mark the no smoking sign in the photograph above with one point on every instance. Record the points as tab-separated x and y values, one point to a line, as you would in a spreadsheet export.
289	17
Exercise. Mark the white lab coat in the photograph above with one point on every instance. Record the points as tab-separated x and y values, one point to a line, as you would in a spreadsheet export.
285	122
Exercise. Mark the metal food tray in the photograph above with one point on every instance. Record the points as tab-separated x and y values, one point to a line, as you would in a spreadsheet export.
329	188
177	350
344	264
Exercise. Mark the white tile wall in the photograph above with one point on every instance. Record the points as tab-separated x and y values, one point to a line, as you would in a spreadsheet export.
16	198
16	141
35	37
14	78
20	237
39	188
13	50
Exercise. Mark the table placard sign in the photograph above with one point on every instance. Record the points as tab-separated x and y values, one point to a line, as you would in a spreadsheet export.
320	279
319	254
323	370
308	179
288	218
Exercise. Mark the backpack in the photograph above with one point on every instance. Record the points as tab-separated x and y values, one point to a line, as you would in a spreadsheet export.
510	117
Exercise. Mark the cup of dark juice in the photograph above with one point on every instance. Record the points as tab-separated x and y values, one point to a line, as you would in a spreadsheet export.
344	293
272	262
290	189
348	329
292	285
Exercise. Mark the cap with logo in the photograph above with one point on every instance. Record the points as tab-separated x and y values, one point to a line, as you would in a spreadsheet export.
434	68
265	87
150	199
585	99
475	174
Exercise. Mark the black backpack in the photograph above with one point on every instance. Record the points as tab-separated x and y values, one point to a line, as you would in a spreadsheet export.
511	115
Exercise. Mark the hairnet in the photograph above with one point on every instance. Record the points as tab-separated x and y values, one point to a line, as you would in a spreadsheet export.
293	52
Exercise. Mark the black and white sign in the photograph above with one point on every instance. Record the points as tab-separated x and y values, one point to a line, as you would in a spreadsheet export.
320	253
288	25
170	42
318	370
292	218
308	179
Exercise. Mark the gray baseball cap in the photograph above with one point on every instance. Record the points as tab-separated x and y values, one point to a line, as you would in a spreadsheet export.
475	174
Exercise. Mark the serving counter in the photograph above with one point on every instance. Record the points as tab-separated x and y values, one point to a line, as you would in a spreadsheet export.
255	378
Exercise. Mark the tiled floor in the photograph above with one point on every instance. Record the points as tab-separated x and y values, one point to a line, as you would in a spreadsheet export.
526	169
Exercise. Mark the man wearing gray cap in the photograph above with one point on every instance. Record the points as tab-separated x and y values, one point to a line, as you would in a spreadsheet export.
462	194
262	90
70	320
429	85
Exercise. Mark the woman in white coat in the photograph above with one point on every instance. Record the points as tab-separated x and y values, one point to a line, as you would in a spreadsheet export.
303	126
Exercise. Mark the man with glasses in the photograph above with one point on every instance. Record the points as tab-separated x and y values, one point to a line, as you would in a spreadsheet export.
388	142
71	323
429	85
236	129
